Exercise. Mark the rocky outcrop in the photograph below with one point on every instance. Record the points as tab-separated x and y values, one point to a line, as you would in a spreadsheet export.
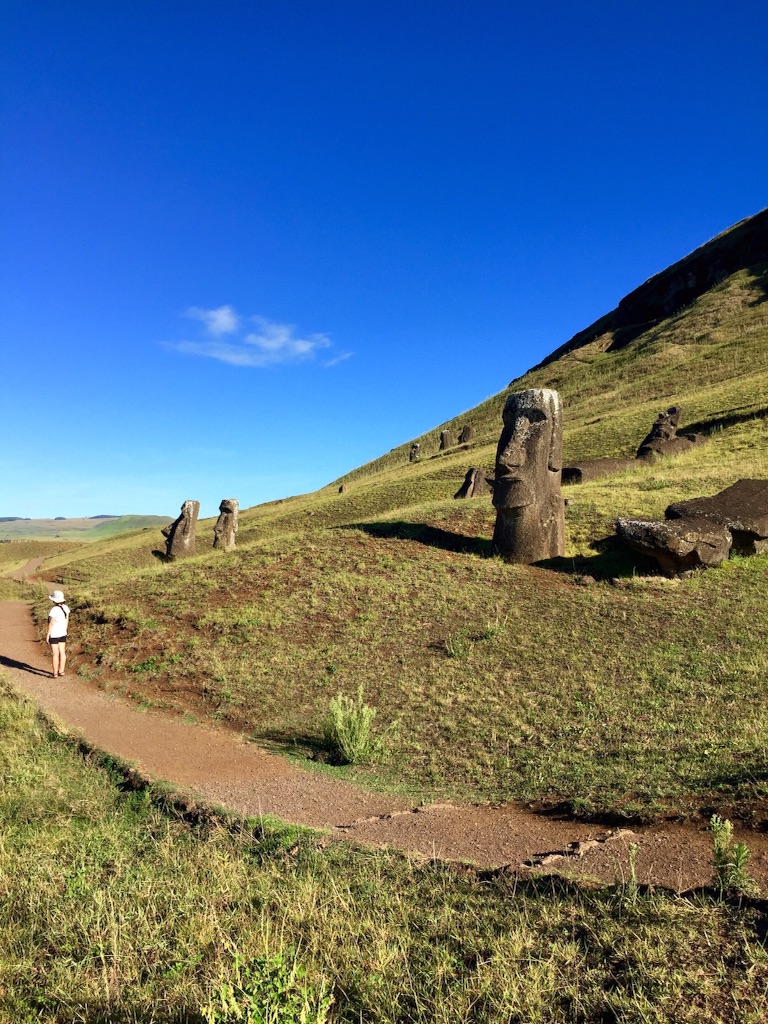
741	246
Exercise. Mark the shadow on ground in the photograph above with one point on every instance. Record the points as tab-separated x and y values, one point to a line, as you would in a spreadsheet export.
431	536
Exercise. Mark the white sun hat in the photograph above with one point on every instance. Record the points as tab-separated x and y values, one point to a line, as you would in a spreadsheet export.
57	597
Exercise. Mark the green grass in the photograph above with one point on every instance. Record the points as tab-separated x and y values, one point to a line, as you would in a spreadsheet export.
117	908
630	693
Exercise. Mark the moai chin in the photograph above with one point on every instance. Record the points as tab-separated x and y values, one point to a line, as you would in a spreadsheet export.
180	542
226	525
530	516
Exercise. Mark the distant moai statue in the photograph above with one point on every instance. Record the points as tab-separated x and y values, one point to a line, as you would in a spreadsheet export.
530	516
446	440
466	434
226	525
180	542
343	489
415	453
475	484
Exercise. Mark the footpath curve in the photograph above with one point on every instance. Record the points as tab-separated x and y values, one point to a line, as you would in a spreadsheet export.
217	767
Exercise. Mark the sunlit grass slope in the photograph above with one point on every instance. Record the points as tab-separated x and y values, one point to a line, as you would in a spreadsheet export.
115	909
584	680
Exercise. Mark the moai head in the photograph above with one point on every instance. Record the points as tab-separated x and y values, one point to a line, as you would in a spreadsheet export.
529	456
446	440
530	521
180	534
415	452
226	525
466	434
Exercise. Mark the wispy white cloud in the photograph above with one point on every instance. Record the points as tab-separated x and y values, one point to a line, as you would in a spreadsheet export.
254	341
223	320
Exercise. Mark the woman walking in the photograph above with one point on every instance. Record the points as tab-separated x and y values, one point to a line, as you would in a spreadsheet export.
58	620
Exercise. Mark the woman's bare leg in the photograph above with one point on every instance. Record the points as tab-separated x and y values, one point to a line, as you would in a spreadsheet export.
62	658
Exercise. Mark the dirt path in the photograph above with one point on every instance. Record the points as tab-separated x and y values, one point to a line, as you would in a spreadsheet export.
221	769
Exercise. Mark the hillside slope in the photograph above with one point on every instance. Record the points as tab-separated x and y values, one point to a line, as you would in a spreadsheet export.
585	679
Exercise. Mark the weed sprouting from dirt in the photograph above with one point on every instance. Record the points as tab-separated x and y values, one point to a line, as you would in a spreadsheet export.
731	875
348	731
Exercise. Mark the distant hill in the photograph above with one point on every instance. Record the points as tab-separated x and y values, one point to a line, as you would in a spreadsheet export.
85	529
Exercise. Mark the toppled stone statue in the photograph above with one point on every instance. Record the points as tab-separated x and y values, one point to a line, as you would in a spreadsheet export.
678	546
475	484
415	453
664	439
466	434
446	440
530	516
180	535
593	469
741	508
226	525
702	532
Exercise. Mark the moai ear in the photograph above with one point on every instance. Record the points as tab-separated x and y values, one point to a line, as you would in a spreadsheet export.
555	460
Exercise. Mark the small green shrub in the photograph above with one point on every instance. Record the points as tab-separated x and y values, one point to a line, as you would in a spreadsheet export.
269	990
731	875
457	645
349	730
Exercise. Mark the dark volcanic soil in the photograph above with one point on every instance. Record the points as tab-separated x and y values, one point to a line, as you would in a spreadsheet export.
220	768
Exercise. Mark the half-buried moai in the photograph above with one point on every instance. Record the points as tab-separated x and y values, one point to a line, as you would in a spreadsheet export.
180	535
475	484
664	439
415	453
446	440
225	530
466	434
530	515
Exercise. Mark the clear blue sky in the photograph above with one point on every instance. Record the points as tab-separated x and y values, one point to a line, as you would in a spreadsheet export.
247	246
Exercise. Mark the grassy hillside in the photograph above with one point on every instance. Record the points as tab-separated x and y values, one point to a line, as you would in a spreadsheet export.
77	529
589	679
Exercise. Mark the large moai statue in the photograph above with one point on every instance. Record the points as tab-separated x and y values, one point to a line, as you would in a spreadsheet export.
225	530
530	515
415	453
180	542
466	434
446	440
664	439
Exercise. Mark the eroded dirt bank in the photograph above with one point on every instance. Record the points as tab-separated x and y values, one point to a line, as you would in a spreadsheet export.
219	768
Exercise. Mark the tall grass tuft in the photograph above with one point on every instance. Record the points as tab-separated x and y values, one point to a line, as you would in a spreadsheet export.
349	732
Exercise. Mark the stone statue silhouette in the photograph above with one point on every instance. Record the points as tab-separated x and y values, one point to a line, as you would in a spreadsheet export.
530	517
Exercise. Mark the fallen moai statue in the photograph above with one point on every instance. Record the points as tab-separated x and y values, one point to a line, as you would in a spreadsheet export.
664	439
225	530
475	484
741	508
702	532
180	535
530	516
593	469
446	440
